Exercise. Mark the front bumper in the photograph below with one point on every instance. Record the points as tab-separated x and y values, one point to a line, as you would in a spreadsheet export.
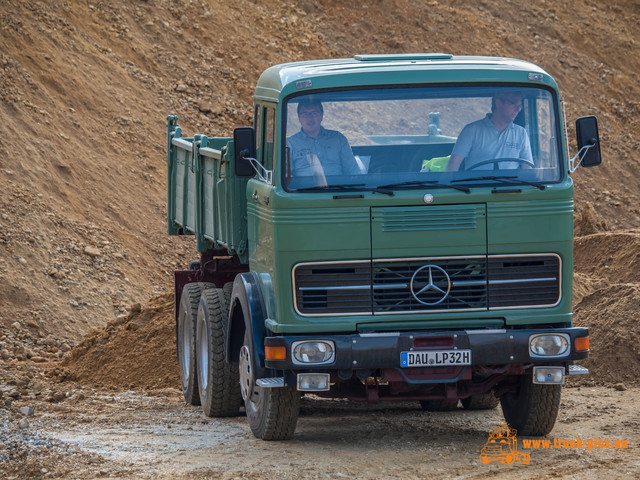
382	350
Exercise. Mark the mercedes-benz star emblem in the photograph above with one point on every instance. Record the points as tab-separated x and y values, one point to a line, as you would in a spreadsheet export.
428	198
430	285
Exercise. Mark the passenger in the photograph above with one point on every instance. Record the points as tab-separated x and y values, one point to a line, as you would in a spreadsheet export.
494	137
314	146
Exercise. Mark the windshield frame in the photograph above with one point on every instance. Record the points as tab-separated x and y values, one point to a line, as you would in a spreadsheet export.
444	178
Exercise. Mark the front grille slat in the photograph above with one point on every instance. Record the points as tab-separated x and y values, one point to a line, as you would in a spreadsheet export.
383	287
537	281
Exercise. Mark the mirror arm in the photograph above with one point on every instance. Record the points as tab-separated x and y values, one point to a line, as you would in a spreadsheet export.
264	174
581	153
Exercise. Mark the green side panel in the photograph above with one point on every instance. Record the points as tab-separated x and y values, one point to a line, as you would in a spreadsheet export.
183	185
205	197
430	230
528	226
540	226
340	232
211	168
224	211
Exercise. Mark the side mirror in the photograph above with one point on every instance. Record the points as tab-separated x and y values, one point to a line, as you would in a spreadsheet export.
244	146
587	136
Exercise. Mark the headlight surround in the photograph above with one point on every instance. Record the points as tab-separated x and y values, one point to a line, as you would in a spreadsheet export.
549	345
313	352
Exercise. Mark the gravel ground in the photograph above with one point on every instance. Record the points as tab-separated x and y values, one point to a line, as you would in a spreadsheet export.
104	434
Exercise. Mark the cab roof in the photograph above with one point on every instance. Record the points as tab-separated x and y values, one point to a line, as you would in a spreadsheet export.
394	69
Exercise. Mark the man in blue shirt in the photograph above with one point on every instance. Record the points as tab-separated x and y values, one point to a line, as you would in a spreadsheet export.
494	137
314	150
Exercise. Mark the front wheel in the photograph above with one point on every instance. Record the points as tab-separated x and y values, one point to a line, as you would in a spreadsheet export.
533	409
272	412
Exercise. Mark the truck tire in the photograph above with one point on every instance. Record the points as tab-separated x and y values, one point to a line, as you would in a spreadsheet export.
485	401
186	339
272	412
533	409
438	405
218	383
227	289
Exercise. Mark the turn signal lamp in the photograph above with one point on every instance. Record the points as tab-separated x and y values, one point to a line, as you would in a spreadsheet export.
275	353
582	344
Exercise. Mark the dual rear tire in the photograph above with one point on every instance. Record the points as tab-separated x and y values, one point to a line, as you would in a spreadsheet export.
186	339
206	377
218	382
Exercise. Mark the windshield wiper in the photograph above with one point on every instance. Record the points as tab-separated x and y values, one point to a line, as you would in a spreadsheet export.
419	183
346	186
511	179
337	186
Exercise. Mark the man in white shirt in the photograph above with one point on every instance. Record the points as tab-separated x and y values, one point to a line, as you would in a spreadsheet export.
494	137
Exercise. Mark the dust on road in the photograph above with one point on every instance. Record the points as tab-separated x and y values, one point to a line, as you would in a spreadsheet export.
100	433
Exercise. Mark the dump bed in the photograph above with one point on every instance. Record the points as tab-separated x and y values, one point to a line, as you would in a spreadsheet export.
204	197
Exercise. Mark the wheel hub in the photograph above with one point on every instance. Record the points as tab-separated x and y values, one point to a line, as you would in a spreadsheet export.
203	354
246	373
186	346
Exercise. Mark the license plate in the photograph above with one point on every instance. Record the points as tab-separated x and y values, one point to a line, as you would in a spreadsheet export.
435	358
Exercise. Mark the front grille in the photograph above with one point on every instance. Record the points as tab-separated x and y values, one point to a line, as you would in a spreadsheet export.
463	287
440	284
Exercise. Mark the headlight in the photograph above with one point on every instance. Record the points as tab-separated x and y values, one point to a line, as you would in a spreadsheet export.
549	345
313	352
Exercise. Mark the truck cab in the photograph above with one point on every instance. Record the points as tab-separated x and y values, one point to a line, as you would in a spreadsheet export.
388	238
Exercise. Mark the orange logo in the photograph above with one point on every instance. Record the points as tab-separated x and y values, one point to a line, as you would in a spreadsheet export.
502	446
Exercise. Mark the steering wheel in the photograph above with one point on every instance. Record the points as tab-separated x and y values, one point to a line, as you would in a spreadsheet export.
496	161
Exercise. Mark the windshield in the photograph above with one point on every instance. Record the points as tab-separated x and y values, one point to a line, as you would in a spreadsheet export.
396	138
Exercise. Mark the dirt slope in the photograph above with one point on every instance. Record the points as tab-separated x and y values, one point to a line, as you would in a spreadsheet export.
86	86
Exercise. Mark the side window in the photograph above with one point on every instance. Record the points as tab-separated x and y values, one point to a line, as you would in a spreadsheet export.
547	143
269	137
257	126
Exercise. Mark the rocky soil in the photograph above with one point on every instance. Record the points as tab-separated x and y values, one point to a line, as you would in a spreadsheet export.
87	372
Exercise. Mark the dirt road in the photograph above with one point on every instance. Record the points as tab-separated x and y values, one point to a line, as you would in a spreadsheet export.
85	88
96	434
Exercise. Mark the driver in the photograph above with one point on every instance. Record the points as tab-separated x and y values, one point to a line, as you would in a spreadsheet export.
494	137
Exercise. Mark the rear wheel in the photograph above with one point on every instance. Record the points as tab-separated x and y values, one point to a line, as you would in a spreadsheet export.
485	401
218	382
533	409
186	339
272	412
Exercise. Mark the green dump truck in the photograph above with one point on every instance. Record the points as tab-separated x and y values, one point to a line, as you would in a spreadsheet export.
392	227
